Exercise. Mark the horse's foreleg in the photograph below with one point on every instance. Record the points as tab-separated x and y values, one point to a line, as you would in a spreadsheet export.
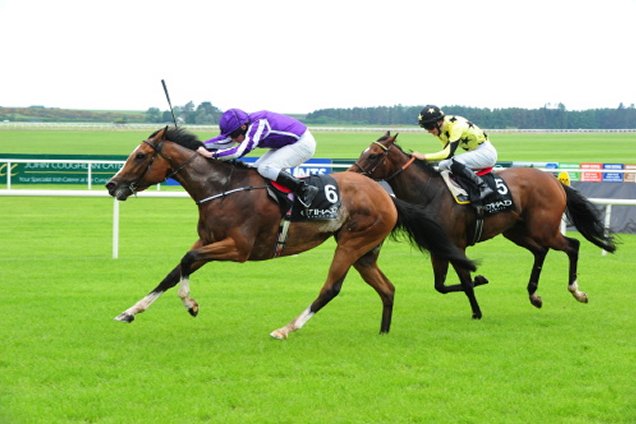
440	269
467	285
169	281
198	256
184	294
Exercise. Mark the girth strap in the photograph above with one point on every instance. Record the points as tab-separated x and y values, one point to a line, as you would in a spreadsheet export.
282	234
479	229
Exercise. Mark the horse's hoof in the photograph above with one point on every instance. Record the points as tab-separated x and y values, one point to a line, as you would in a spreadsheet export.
125	317
278	335
194	311
536	301
579	295
480	280
477	316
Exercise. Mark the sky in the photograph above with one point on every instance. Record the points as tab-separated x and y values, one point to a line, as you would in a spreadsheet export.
295	56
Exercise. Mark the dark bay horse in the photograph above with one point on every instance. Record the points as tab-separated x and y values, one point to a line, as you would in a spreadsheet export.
239	222
534	223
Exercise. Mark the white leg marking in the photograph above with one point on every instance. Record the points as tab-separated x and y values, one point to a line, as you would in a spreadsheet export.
184	294
303	318
296	324
578	294
140	306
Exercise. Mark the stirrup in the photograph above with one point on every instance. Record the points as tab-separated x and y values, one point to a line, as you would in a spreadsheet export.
485	192
307	195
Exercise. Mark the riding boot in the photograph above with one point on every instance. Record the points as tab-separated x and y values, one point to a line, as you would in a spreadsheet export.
484	191
303	191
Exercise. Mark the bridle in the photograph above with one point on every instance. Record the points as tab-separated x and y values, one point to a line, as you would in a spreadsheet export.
379	162
158	152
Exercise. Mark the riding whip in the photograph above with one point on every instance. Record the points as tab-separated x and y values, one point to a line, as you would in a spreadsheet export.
165	90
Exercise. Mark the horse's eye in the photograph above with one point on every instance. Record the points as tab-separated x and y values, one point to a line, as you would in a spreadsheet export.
140	156
373	156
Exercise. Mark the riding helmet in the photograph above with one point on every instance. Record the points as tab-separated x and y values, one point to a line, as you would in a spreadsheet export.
429	116
232	120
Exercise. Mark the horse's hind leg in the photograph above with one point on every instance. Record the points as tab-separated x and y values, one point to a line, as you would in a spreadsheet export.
572	250
329	290
535	274
518	236
340	265
368	268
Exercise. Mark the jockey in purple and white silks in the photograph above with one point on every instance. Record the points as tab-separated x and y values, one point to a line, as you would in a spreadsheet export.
289	141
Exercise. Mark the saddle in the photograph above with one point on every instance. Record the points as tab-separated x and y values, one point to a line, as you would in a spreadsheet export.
324	207
499	201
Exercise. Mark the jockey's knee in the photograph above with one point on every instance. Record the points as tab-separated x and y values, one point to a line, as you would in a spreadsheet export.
268	171
445	165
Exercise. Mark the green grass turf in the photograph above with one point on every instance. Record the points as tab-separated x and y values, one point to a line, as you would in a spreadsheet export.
64	360
547	147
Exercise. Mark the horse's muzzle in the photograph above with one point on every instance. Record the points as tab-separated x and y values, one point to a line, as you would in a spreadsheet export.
118	191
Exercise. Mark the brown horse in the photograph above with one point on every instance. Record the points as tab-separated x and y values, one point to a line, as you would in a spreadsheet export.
539	202
239	222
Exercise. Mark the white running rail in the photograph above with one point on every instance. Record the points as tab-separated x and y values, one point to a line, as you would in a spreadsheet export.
182	194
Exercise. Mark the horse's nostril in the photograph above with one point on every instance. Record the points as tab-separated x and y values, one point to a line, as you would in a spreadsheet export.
110	186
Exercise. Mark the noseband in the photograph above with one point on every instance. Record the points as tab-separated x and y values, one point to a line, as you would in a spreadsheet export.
384	154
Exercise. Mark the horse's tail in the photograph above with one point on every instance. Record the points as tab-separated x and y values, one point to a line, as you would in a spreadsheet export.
427	234
582	213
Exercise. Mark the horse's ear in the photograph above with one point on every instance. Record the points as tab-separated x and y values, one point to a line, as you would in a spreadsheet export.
395	136
387	134
160	134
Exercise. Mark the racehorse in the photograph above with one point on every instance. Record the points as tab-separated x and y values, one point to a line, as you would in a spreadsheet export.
539	201
239	222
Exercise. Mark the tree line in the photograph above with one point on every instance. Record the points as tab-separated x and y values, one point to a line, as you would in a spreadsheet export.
206	113
506	118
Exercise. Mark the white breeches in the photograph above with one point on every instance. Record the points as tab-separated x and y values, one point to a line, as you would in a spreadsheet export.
484	156
275	160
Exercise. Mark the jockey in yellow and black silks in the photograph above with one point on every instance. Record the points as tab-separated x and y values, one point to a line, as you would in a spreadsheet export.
457	132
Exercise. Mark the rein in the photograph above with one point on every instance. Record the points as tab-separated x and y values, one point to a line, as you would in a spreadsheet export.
402	169
173	172
133	185
158	149
381	159
228	192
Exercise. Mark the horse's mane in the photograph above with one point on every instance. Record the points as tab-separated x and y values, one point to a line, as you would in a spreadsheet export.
185	138
182	137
